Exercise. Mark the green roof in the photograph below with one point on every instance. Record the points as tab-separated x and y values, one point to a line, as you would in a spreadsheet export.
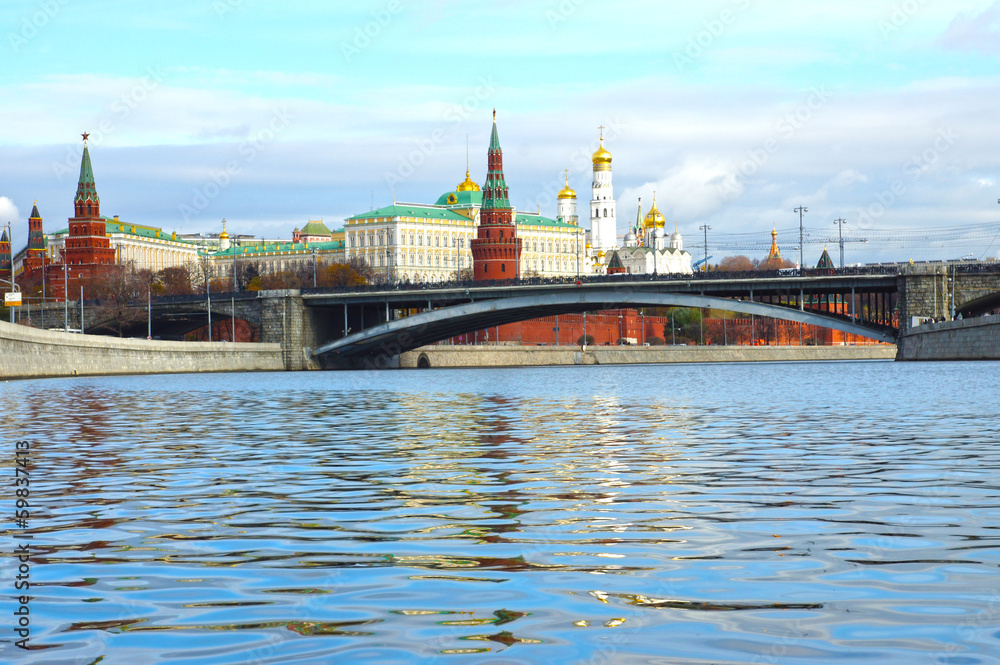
411	210
85	187
111	226
825	262
315	229
528	219
282	247
458	199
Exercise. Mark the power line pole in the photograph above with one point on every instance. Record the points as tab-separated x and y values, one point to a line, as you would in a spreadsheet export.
802	236
840	223
706	228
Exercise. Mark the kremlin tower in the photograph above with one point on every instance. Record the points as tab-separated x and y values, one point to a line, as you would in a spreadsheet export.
603	227
35	257
5	256
87	244
496	249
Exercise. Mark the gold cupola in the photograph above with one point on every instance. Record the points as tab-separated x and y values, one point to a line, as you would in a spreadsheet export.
654	218
223	235
468	185
602	158
567	191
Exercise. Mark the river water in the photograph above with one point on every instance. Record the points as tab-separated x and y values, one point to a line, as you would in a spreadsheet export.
747	513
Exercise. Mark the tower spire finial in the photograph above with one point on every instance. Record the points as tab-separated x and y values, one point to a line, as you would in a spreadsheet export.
85	136
602	134
494	116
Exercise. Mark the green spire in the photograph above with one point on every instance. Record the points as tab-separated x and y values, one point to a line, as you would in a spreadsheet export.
495	192
86	187
494	138
34	212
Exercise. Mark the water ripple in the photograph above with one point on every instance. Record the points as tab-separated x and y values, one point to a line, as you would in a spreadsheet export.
694	514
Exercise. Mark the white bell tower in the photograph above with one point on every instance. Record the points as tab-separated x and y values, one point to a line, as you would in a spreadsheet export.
603	224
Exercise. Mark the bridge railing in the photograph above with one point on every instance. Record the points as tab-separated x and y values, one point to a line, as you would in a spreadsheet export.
609	279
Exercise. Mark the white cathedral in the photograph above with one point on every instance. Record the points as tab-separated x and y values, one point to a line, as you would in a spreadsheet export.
646	249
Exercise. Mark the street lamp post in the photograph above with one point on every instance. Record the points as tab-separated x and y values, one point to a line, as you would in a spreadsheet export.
706	228
314	266
208	295
232	301
840	223
802	264
65	294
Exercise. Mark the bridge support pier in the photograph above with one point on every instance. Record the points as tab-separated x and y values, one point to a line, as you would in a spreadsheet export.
286	321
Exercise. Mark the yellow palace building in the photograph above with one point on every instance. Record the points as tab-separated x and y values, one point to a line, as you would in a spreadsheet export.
423	243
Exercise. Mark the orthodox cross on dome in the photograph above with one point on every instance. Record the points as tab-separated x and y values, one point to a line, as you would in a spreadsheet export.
602	128
85	136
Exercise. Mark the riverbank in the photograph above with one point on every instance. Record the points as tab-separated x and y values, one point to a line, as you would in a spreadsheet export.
31	353
520	356
969	339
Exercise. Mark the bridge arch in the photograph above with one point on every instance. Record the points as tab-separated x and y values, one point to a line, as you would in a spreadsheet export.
395	337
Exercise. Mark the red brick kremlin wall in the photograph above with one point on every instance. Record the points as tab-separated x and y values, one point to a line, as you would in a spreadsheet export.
610	326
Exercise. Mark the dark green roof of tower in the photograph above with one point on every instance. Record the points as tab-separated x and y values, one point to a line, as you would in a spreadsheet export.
616	261
825	262
86	186
494	138
4	238
495	193
34	212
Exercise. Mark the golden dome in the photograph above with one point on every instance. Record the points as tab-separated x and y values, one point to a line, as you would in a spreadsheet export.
567	191
602	159
467	185
654	219
223	235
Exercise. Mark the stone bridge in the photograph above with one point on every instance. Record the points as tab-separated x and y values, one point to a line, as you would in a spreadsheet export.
368	327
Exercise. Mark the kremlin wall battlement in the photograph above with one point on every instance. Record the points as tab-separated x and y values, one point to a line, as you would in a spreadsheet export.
31	353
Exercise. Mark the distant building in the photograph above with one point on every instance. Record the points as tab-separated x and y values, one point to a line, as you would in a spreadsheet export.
647	251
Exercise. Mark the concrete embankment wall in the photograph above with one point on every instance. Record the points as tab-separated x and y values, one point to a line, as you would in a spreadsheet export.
28	352
512	356
969	339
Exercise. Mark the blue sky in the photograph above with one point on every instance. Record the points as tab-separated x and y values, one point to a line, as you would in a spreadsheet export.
734	112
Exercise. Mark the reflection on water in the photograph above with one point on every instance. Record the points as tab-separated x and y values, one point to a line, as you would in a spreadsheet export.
684	514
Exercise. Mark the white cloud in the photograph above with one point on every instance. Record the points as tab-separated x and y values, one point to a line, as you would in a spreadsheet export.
8	211
979	32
